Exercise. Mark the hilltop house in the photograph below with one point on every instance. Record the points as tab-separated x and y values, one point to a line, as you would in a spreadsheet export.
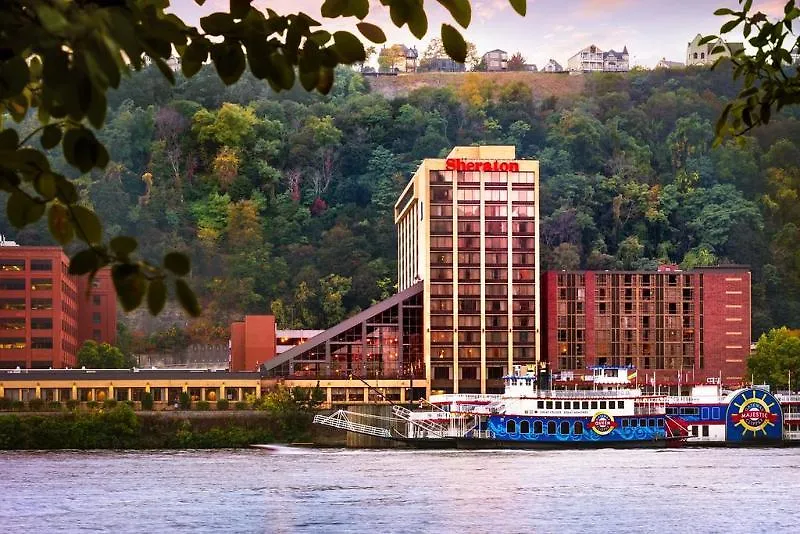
592	59
496	60
795	53
697	54
664	64
553	66
441	64
398	58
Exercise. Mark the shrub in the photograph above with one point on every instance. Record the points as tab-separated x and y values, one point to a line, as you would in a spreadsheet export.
18	405
73	404
240	405
5	403
36	404
110	403
54	406
131	403
222	404
185	401
147	401
91	405
203	406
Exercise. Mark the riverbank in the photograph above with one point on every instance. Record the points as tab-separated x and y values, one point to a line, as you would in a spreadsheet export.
122	428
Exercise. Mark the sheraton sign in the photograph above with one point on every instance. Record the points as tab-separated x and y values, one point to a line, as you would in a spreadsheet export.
458	164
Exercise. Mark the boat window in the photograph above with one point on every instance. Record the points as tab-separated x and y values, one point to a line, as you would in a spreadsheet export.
549	405
694	430
578	428
625	423
612	405
704	413
621	405
564	427
537	427
642	422
585	405
634	422
660	423
705	431
672	411
511	426
651	423
540	404
594	405
524	427
558	405
602	405
715	413
551	427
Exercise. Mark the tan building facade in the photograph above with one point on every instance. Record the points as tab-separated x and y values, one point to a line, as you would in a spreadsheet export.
467	227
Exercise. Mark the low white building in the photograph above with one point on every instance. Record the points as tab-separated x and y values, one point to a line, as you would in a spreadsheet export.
553	66
703	54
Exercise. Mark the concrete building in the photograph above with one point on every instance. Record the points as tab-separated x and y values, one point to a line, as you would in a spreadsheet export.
699	55
592	59
495	60
671	326
45	313
253	342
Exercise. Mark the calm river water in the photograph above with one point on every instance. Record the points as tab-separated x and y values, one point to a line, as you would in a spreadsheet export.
369	491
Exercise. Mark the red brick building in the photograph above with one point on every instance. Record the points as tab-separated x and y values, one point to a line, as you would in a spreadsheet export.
45	313
671	326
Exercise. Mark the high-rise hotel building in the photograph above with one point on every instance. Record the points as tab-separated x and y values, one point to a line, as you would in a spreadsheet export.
467	228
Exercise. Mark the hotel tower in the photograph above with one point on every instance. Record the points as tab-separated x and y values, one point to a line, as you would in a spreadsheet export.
467	228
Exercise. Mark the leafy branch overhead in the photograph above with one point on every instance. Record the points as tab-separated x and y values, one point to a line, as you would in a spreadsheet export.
59	58
769	80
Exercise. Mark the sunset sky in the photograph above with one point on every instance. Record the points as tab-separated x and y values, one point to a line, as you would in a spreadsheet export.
552	28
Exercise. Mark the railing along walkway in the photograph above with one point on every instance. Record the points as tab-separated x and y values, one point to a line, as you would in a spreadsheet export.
340	419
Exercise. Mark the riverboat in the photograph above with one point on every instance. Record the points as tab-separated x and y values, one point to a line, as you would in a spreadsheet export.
748	416
526	416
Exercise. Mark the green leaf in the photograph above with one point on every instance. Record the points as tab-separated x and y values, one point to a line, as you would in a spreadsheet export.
730	25
418	21
52	20
156	296
45	185
194	56
218	23
84	262
83	150
177	263
23	210
462	12
187	298
520	6
87	225
724	11
67	193
454	43
332	9
9	139
14	76
229	61
51	136
123	245
59	223
371	32
349	47
239	9
130	285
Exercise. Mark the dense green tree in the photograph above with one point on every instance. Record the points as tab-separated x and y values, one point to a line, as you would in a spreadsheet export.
94	355
777	358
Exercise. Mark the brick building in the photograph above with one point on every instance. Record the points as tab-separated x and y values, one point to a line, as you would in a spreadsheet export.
46	313
671	326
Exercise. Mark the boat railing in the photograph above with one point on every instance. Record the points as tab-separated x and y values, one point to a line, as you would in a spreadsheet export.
584	394
455	397
783	397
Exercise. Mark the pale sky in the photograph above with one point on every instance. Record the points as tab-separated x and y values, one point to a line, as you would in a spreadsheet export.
651	29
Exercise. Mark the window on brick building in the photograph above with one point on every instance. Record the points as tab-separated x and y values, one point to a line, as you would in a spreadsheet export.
41	265
96	317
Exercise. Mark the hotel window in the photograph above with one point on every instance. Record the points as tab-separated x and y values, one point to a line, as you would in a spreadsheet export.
41	323
12	324
12	284
41	265
41	284
96	300
42	343
469	373
12	265
468	210
96	317
15	343
41	304
12	304
441	373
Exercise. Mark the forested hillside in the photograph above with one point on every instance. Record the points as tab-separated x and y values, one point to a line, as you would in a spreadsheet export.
284	201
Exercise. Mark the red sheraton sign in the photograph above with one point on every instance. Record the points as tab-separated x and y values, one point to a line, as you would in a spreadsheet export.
458	164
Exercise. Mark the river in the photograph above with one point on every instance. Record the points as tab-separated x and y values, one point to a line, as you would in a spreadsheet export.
380	491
